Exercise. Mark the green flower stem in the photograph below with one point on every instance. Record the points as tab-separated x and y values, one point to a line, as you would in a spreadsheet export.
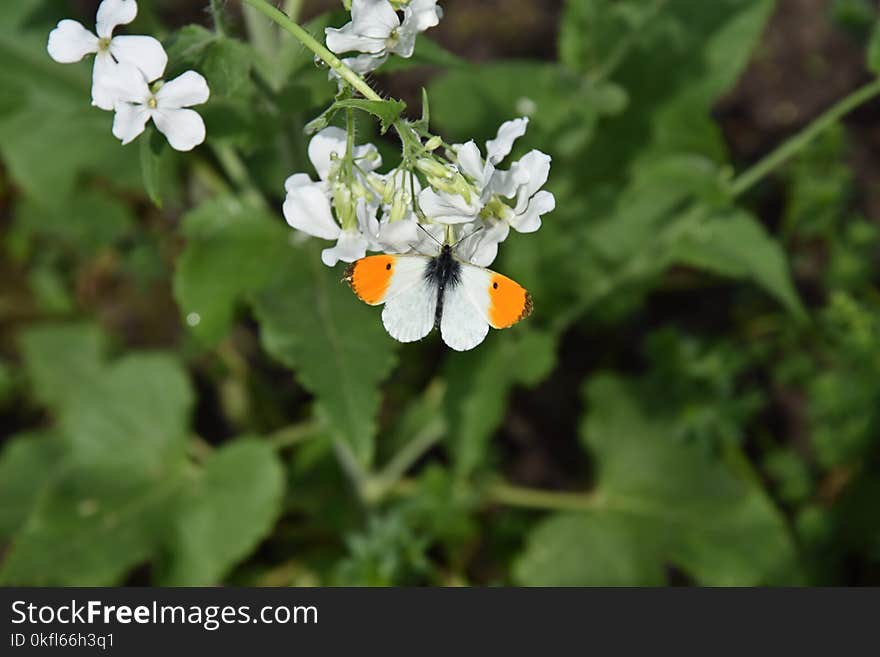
217	15
237	172
381	484
532	498
295	434
350	77
798	142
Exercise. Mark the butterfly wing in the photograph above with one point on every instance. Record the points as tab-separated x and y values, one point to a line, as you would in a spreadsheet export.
480	298
399	282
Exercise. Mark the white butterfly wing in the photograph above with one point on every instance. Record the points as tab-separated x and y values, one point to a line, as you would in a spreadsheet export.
411	300
464	322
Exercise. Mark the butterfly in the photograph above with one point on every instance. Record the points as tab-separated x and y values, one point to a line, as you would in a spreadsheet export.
423	292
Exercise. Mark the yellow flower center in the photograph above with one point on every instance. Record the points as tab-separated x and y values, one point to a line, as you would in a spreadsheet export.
152	103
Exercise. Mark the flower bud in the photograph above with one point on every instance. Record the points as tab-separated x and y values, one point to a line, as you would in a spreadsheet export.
433	169
433	143
345	206
399	206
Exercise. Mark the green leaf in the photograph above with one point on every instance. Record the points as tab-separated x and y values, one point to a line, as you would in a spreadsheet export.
89	528
231	249
658	500
737	246
60	358
151	148
26	466
133	414
479	383
387	111
874	50
592	31
231	506
589	549
311	322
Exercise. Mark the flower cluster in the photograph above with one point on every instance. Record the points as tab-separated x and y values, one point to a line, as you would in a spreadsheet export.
458	196
376	31
461	196
126	77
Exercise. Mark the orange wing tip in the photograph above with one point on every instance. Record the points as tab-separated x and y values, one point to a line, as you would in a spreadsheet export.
370	277
509	302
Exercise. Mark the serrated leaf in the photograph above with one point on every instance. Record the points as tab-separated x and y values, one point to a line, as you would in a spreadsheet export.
231	506
89	528
479	382
26	466
133	414
59	358
231	249
738	246
679	504
311	322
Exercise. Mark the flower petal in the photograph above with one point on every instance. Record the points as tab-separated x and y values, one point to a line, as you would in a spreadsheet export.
183	128
115	12
322	147
470	160
104	96
70	42
499	148
530	220
145	52
422	14
119	82
363	64
532	171
185	90
447	208
398	236
345	39
307	208
351	246
481	248
374	17
130	121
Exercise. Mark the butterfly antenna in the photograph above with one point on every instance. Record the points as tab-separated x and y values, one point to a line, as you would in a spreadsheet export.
464	237
429	235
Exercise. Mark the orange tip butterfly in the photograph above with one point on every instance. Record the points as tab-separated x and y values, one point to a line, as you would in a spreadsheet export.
423	292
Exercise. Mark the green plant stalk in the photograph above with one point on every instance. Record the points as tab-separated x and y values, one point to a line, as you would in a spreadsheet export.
217	15
350	77
531	498
798	142
237	172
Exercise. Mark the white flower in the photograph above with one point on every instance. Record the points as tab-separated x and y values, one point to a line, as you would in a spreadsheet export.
136	104
377	31
486	217
450	208
307	206
523	183
69	42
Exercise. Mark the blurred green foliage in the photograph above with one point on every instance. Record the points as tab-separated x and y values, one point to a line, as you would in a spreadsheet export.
190	397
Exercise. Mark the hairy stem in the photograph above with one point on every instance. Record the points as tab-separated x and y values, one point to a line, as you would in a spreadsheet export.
350	77
798	142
